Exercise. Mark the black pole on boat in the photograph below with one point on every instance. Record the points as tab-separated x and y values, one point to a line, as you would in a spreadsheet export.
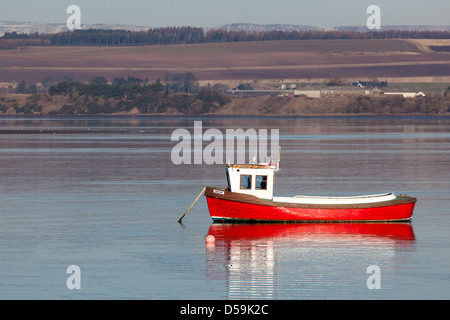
179	220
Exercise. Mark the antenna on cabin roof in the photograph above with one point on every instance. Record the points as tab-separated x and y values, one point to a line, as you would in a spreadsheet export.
279	156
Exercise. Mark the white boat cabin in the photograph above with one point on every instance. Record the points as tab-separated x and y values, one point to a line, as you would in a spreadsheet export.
253	179
258	180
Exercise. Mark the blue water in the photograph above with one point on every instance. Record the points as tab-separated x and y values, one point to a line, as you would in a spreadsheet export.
102	193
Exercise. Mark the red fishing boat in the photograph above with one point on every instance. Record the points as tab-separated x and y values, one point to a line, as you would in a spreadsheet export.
249	197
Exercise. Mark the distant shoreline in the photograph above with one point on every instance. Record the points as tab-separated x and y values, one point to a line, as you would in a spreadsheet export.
219	116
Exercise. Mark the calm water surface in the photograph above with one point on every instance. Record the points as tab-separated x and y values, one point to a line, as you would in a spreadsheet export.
102	193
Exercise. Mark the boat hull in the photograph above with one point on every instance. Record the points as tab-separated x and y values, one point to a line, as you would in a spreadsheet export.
231	207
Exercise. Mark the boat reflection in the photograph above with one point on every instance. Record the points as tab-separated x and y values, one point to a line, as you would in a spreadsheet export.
254	257
227	232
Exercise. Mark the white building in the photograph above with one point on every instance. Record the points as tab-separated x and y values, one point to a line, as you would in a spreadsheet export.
308	93
407	94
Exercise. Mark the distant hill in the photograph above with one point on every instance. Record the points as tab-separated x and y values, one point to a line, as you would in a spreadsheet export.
398	27
292	27
264	27
33	27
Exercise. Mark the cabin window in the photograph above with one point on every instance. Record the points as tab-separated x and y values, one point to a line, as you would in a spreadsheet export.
246	181
261	182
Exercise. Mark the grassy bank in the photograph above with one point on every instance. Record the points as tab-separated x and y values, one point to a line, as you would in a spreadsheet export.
211	102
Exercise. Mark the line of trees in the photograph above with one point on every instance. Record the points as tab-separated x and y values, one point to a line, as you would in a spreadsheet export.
134	94
180	35
123	95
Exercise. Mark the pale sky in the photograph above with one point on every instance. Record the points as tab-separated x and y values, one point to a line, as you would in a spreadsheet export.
209	13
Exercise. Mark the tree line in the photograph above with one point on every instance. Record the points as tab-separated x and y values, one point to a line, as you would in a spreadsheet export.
123	95
185	35
156	98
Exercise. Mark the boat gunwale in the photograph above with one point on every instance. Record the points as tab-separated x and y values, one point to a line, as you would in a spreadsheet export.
222	220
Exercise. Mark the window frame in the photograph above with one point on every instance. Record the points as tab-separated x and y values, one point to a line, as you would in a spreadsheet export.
263	180
249	180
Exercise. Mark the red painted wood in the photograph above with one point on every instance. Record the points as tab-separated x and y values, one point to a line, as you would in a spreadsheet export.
233	210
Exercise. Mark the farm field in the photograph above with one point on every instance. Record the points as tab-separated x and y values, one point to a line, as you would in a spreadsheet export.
215	62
